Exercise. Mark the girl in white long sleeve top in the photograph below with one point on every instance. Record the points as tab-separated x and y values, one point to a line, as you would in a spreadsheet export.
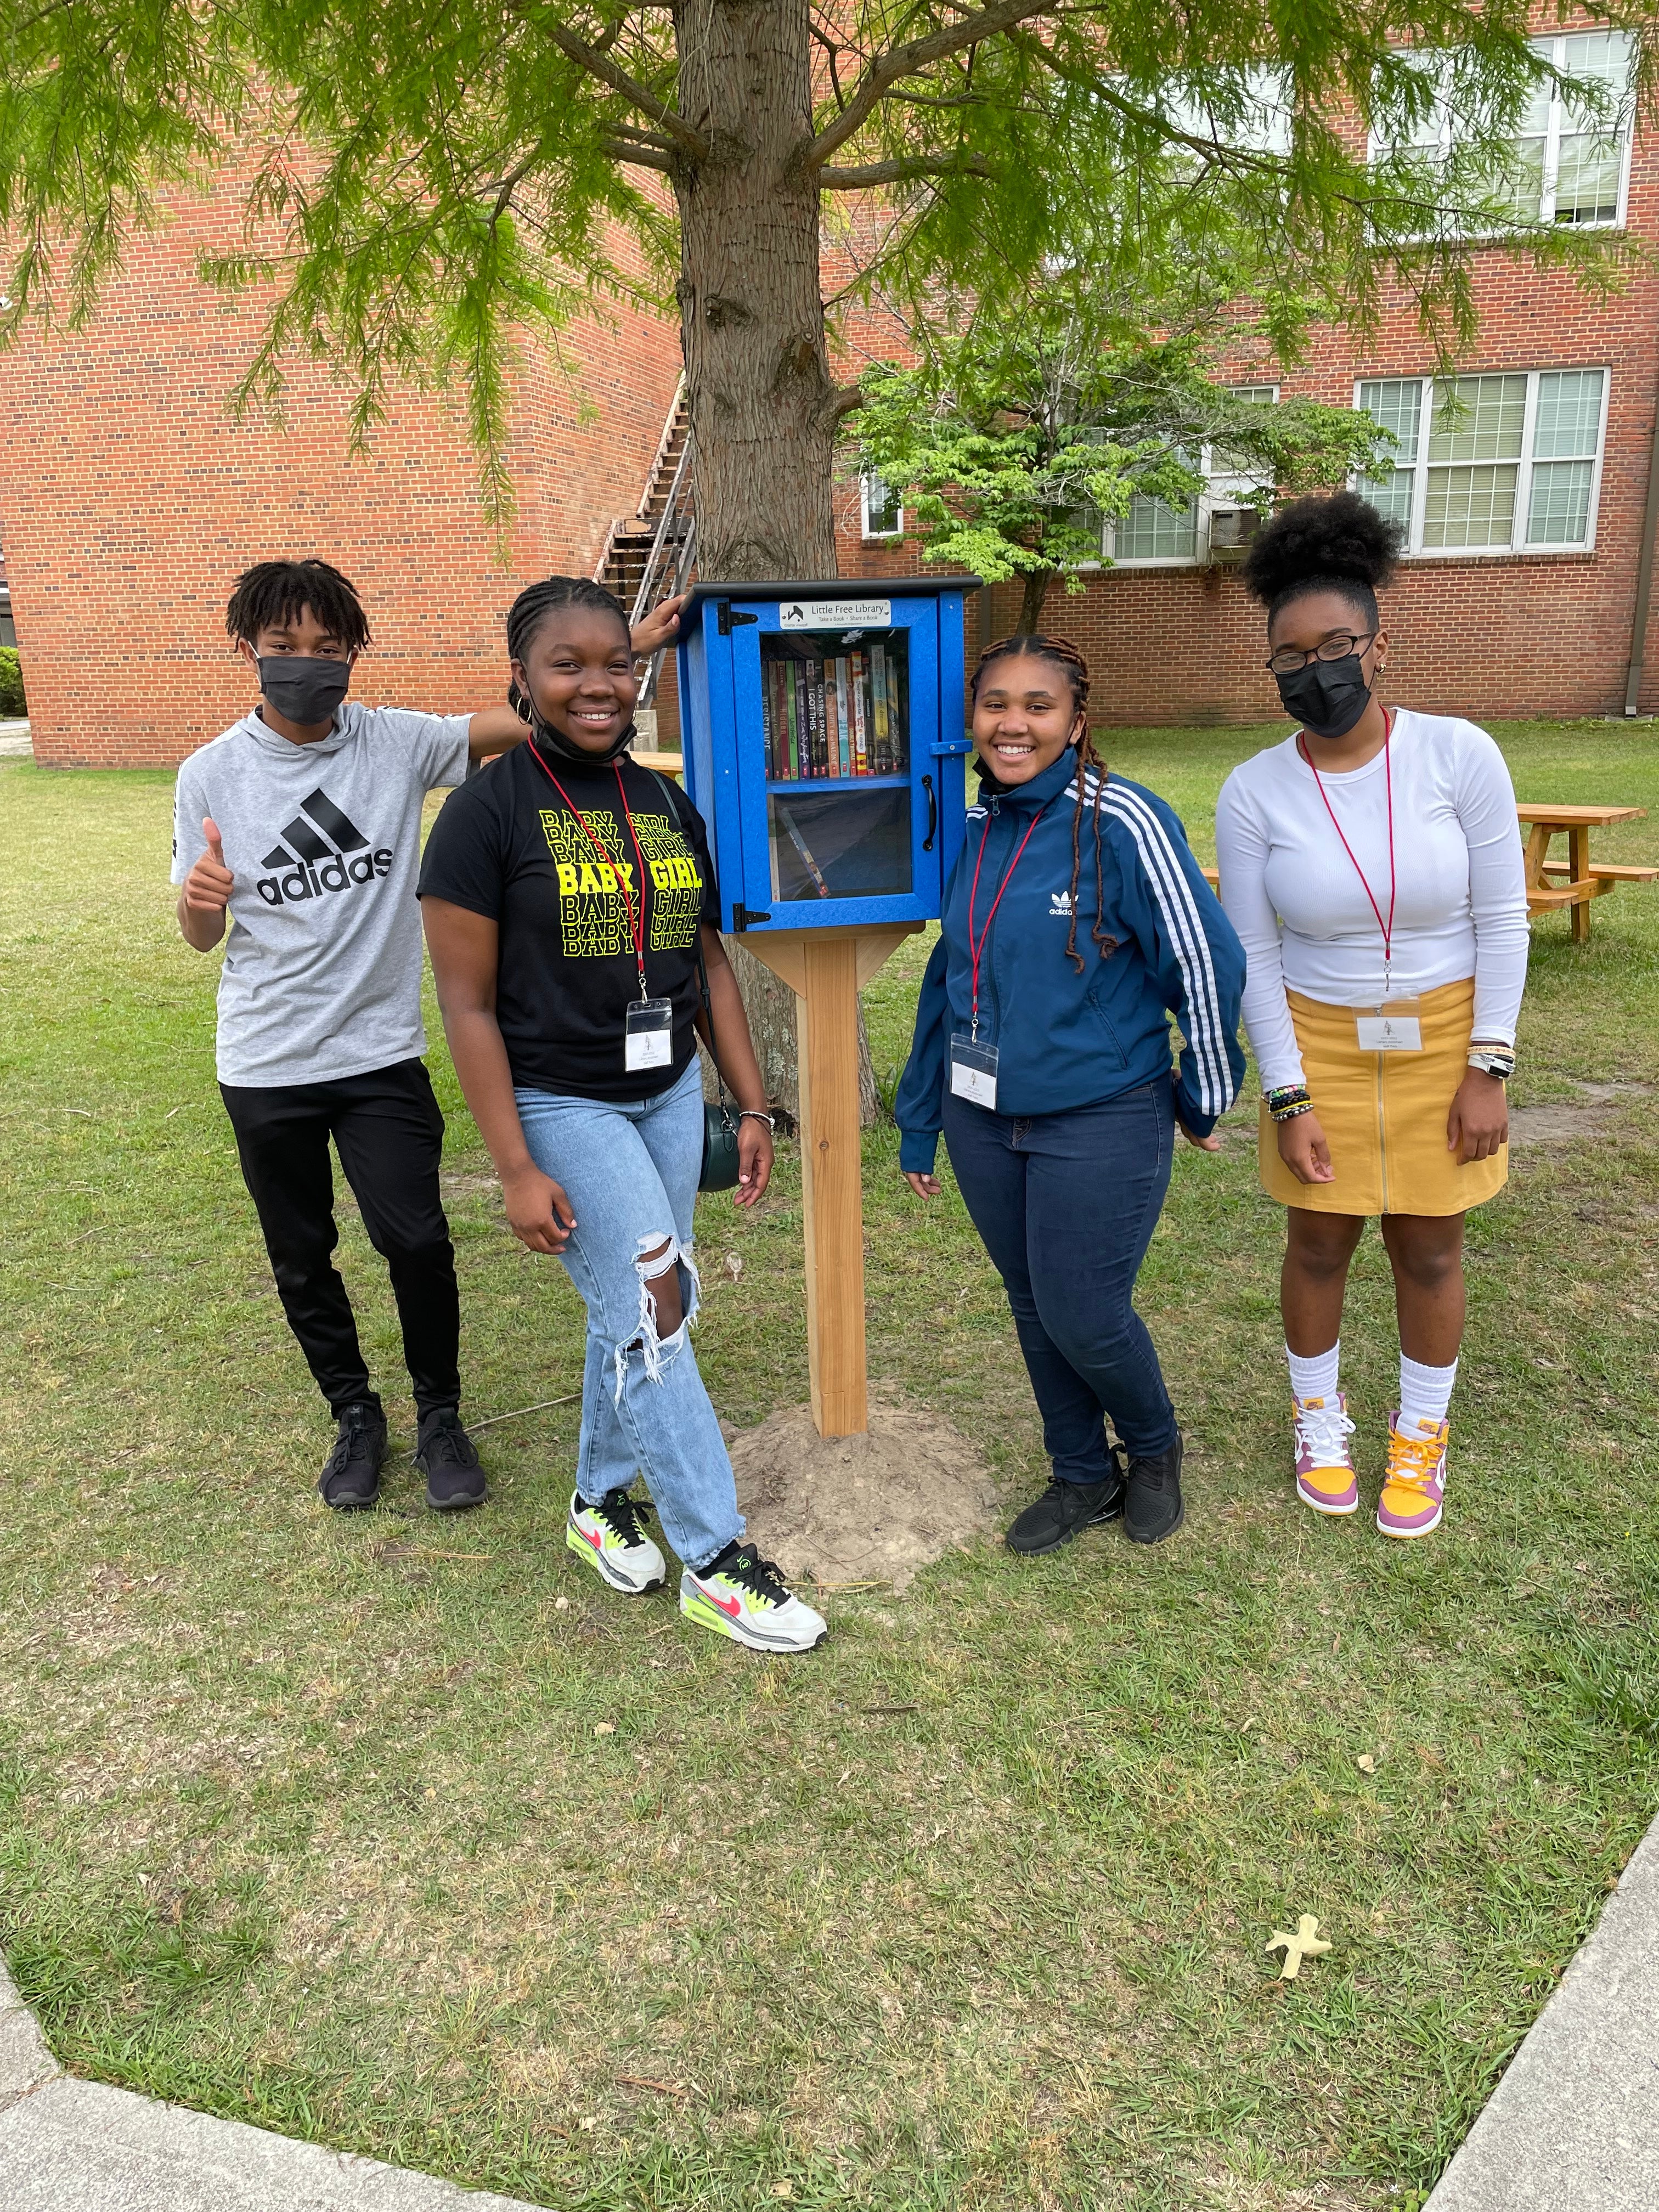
1373	859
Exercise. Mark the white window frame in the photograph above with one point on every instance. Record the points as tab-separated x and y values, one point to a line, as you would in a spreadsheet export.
1518	548
869	478
1556	44
1224	488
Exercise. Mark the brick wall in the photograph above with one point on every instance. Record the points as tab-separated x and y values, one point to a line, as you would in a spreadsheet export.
1484	637
129	501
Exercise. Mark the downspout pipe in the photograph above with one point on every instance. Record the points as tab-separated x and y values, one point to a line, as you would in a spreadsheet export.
1638	635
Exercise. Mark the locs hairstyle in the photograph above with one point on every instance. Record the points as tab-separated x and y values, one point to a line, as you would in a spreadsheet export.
1340	544
532	606
1061	653
276	592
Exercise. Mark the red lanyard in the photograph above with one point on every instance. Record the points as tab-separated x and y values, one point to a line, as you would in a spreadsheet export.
976	947
1387	927
635	922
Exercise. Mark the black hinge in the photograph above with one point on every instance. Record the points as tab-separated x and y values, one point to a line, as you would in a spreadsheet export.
729	622
742	915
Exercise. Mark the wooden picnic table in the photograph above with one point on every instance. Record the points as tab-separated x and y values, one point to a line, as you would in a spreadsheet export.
1576	880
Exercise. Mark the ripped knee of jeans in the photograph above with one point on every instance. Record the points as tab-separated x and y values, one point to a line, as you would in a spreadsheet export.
653	1258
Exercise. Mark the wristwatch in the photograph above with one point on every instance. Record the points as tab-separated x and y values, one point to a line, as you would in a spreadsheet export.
1500	1063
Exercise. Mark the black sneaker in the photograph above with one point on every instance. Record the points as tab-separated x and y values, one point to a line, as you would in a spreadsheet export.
350	1482
1154	1509
1063	1508
445	1454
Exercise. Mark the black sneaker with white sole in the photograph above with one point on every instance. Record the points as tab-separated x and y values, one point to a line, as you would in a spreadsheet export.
446	1456
350	1479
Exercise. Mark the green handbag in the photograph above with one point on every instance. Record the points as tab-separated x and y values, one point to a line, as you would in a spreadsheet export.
720	1122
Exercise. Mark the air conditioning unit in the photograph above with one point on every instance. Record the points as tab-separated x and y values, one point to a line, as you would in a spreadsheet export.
1231	529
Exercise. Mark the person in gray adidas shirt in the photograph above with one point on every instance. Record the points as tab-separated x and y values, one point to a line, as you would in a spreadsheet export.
299	826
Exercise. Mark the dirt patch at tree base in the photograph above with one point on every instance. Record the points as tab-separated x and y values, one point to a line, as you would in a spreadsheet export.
873	1508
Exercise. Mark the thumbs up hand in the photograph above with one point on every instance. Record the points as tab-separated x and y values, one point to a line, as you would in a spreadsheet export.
209	883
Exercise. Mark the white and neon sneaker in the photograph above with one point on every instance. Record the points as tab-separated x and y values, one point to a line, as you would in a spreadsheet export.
609	1538
744	1596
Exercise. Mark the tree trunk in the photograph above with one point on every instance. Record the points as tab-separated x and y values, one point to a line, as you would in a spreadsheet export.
772	1006
1037	581
757	382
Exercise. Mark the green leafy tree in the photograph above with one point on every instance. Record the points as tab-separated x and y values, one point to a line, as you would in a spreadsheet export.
427	181
1010	452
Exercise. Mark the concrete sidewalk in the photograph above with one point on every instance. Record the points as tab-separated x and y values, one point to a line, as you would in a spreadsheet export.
1573	2126
69	2146
14	740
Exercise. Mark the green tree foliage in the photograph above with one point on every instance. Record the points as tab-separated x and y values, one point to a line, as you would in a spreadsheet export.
426	181
1009	451
12	701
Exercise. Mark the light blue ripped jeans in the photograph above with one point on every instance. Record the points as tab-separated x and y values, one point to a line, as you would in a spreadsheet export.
630	1172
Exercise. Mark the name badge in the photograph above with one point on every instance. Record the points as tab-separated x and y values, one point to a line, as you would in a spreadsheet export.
1395	1026
648	1039
974	1072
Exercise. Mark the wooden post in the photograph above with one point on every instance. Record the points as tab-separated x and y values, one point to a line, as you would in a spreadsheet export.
832	1186
825	969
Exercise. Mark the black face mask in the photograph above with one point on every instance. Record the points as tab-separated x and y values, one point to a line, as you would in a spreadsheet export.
303	686
1327	696
557	746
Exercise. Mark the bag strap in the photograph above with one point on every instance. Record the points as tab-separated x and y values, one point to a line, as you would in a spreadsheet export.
662	784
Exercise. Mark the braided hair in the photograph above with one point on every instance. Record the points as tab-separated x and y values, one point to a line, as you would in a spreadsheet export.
532	606
1061	653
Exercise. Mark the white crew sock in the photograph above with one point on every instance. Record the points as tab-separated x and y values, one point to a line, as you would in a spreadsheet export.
1425	1393
1316	1377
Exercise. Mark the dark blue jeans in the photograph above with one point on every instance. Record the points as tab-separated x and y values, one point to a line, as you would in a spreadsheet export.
1066	1205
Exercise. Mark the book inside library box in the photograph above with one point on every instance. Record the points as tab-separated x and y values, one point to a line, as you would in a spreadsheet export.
836	714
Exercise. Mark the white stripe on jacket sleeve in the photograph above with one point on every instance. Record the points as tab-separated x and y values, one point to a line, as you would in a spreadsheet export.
1179	907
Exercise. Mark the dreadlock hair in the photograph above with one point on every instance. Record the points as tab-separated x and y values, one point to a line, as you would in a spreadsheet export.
273	592
1061	653
1342	544
536	601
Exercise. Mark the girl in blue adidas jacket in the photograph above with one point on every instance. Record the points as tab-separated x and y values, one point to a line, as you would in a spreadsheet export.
1076	923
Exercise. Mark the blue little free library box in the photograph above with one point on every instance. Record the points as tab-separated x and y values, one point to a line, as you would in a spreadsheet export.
821	730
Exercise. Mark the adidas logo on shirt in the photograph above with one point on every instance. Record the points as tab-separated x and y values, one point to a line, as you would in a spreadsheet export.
327	852
1060	902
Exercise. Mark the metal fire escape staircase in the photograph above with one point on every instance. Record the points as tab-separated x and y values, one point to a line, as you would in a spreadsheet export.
648	555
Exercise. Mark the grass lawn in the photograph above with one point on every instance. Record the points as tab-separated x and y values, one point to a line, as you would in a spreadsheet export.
307	1821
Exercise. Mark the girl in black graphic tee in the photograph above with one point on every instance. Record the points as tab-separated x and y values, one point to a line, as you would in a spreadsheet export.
566	893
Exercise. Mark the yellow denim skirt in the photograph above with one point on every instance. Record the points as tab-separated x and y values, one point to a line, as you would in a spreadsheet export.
1384	1114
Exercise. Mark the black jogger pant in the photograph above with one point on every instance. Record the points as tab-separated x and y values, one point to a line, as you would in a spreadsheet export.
389	1132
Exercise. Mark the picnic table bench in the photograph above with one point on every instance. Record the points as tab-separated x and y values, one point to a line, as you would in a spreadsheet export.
1574	882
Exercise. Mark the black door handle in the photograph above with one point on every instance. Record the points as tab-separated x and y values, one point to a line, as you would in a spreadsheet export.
933	814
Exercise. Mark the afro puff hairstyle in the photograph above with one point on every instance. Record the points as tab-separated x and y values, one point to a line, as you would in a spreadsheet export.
1340	544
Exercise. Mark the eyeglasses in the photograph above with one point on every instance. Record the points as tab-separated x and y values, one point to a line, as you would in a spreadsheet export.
1288	659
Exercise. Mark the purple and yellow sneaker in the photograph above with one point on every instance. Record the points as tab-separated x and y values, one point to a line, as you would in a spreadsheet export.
1324	1465
1415	1484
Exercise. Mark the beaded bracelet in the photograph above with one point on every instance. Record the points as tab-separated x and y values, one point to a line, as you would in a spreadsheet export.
1289	1100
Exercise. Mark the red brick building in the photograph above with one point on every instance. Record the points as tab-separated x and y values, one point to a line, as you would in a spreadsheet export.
128	500
1525	516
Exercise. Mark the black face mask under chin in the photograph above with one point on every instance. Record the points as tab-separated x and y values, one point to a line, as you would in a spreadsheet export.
553	743
1327	696
304	687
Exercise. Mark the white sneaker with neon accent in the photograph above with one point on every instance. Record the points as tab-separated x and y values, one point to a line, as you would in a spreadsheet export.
609	1538
747	1599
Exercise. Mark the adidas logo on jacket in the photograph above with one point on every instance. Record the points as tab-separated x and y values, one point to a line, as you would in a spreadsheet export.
1067	1040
